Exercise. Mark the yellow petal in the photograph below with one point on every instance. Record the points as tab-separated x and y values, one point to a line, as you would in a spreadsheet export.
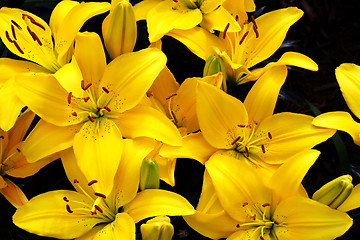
122	228
142	8
290	133
166	169
352	201
129	76
218	20
45	97
208	6
341	121
143	121
199	41
224	112
98	147
239	8
168	15
17	133
208	201
155	202
46	139
194	146
13	194
27	36
10	67
261	99
59	14
236	182
70	25
348	77
44	214
304	218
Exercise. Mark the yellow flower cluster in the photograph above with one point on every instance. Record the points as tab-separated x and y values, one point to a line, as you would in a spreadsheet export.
118	119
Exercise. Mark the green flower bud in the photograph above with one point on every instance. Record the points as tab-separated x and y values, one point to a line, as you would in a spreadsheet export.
158	228
149	174
335	192
215	64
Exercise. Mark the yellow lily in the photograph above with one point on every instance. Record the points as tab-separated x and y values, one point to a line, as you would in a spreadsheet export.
348	77
13	162
164	15
238	203
96	109
242	50
249	131
85	214
30	37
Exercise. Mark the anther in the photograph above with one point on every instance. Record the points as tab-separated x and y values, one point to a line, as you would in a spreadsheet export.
247	152
2	137
13	31
100	195
76	181
245	204
34	36
149	94
107	108
241	125
91	119
174	117
236	17
18	47
16	24
92	182
86	99
256	122
8	37
256	31
99	208
235	140
263	148
269	135
105	89
82	84
69	97
175	1
32	20
262	238
74	114
17	149
246	22
65	199
171	95
68	208
253	217
266	204
276	222
243	38
87	86
253	21
225	30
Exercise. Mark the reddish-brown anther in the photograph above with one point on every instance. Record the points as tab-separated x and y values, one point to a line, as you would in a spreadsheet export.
91	119
171	95
16	24
247	152
68	208
100	195
107	108
243	37
18	47
13	31
266	204
99	208
269	135
105	89
245	204
65	199
69	97
235	140
263	148
92	182
225	30
74	114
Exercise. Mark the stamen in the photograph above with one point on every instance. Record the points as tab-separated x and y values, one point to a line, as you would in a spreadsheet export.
245	204
241	125
266	204
91	119
107	108
149	94
34	36
253	217
17	149
237	225
32	20
86	99
171	95
87	86
175	1
174	117
69	98
13	31
247	152
243	38
18	47
82	84
105	89
100	195
16	24
68	208
74	114
93	212
262	238
256	31
8	37
269	135
276	222
65	199
99	209
263	148
235	140
76	181
253	21
225	30
92	182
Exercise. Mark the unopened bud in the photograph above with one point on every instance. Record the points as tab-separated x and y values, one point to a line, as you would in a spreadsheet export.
158	228
119	29
215	64
149	174
335	192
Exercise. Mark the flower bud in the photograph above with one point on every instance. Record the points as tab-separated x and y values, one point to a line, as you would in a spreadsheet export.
215	64
158	228
149	174
335	192
119	29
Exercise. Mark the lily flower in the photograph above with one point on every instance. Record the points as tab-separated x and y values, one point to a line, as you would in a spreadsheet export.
13	162
238	203
96	109
348	78
85	214
164	15
250	131
242	50
29	37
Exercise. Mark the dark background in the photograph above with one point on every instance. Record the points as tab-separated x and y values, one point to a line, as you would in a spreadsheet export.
327	33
